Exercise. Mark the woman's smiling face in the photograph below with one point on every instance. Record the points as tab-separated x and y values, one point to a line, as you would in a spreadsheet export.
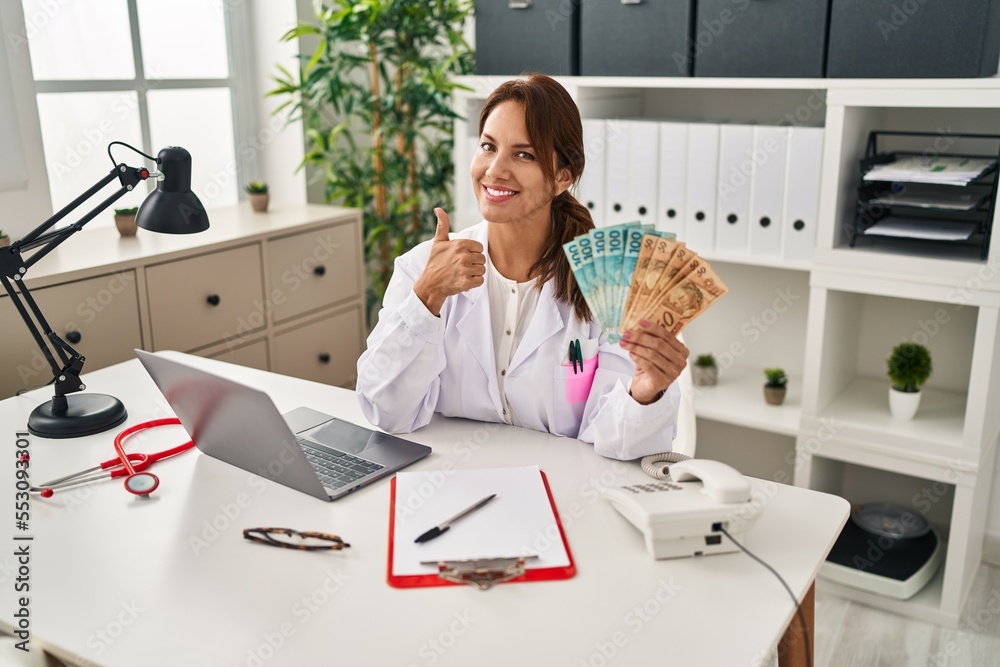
509	182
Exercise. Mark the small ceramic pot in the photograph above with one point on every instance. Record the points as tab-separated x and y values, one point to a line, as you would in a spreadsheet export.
705	376
259	201
4	241
903	404
774	395
126	225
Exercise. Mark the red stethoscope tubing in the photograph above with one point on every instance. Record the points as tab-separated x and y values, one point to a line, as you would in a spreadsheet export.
132	466
147	481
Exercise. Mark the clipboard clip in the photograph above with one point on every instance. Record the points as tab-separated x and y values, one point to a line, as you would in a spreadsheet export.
481	573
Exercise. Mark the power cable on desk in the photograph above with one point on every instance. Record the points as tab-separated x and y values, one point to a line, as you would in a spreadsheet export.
798	607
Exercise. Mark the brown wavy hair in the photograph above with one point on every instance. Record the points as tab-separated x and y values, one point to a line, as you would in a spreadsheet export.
554	128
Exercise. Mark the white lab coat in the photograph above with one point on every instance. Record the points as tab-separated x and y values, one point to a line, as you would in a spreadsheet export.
417	364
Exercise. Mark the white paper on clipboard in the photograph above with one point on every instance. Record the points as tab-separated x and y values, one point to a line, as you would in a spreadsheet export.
518	522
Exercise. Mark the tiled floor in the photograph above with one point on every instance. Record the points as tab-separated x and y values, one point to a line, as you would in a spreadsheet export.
849	634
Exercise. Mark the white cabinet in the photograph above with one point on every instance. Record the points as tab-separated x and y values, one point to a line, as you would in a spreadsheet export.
830	321
280	291
98	316
199	300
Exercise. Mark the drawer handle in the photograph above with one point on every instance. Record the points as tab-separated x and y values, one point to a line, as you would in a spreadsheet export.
519	4
73	337
324	358
213	300
320	270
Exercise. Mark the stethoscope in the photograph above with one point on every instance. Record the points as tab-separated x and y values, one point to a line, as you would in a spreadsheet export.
133	467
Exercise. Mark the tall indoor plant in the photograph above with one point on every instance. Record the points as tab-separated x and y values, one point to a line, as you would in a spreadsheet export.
375	100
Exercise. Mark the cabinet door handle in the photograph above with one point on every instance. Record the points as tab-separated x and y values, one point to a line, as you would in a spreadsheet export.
324	358
73	337
320	270
213	300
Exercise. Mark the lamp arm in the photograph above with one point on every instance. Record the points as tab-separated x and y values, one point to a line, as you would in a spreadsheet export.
67	369
48	242
32	328
30	237
129	177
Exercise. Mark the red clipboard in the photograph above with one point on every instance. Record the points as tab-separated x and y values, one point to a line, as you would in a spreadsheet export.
421	580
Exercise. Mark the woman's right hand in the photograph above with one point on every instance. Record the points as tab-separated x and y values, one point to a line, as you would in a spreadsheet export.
453	267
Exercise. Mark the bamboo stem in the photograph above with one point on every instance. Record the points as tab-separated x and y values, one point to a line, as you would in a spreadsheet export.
381	208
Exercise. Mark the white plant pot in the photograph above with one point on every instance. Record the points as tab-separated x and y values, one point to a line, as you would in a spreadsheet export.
902	404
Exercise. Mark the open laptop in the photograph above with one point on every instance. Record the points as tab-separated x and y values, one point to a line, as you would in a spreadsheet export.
307	450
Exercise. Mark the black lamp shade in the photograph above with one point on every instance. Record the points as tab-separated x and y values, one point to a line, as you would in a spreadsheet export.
172	208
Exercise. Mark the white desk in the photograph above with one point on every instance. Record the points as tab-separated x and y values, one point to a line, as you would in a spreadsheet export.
170	581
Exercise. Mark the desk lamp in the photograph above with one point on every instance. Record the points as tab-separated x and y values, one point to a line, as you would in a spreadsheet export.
171	208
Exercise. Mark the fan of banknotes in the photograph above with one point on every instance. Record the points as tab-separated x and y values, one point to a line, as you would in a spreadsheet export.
631	272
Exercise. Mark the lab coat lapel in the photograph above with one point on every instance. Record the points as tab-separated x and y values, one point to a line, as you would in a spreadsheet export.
547	321
476	330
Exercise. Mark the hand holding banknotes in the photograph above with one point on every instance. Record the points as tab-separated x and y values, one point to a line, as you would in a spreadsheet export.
452	268
643	287
659	359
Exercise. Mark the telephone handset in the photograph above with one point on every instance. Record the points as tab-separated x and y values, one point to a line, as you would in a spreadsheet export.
680	514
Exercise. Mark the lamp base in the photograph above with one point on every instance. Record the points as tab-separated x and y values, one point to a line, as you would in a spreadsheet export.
85	414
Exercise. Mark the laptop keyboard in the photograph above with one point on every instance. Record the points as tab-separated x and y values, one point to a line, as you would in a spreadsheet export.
337	469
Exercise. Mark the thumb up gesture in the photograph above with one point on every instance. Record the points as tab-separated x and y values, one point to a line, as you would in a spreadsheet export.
453	267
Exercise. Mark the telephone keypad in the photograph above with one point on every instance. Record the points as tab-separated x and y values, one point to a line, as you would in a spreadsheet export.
652	487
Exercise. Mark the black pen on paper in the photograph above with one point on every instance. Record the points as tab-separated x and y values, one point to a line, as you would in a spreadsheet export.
441	528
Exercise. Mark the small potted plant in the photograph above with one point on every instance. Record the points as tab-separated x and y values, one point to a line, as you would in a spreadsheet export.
774	388
4	239
257	194
909	366
125	221
704	372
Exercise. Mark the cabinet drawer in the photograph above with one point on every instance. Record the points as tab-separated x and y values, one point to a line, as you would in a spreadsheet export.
311	270
202	300
103	311
325	351
253	355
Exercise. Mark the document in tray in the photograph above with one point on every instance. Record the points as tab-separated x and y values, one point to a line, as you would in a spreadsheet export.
922	228
921	195
940	169
520	521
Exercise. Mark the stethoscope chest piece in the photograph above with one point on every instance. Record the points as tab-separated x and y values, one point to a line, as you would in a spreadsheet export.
141	483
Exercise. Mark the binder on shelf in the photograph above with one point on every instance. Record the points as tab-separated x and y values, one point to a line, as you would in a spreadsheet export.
616	172
700	200
802	186
767	191
504	546
736	167
672	176
644	149
590	191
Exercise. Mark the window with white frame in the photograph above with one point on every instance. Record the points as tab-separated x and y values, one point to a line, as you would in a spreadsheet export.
145	72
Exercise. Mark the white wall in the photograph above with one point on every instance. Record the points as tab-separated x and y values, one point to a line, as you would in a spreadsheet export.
277	146
26	205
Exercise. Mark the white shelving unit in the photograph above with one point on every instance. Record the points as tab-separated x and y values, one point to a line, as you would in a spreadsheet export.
840	315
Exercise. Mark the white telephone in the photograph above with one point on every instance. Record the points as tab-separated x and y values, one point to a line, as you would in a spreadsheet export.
680	515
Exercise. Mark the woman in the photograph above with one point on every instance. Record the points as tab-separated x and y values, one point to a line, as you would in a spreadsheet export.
480	325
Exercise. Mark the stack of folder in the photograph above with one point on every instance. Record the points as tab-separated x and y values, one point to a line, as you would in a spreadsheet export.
727	189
